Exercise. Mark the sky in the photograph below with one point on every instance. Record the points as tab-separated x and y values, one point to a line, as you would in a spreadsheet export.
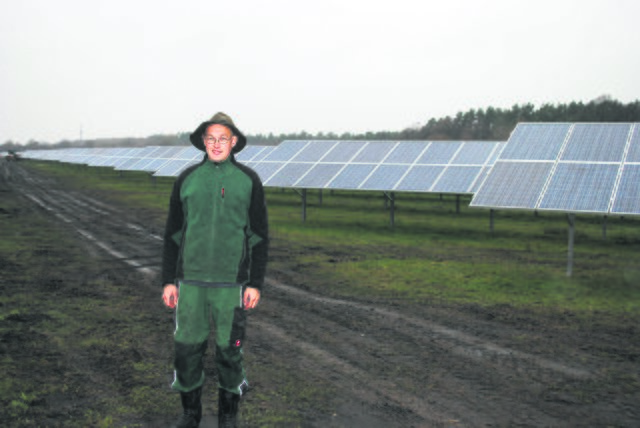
72	69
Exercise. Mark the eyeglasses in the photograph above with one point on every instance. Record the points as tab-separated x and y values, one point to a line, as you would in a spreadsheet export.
209	140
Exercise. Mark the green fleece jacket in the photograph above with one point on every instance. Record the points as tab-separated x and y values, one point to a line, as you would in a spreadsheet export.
216	232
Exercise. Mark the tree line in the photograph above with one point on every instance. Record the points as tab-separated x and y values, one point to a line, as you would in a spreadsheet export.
490	124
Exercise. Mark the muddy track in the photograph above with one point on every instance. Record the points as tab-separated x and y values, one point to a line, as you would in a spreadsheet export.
390	365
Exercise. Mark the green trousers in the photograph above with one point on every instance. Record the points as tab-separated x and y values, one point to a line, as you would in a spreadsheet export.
197	306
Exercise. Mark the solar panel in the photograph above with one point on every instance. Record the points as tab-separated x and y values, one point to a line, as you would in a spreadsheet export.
513	185
536	141
344	151
144	159
596	142
133	153
319	176
628	199
63	155
159	158
406	152
582	167
456	179
179	162
262	153
351	176
420	178
265	169
287	175
284	152
314	152
75	155
374	152
173	167
580	187
480	178
474	153
384	177
633	154
105	157
97	156
117	157
439	153
245	155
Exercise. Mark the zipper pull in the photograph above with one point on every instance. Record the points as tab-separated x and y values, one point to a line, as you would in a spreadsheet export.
222	193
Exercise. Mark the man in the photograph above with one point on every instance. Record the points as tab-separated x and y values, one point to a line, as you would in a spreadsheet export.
214	261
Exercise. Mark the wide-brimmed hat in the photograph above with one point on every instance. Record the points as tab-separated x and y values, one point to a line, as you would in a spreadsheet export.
218	119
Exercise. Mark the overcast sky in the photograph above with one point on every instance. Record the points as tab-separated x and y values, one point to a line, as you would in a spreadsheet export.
134	68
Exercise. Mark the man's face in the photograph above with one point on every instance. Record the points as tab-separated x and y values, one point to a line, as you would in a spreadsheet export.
218	141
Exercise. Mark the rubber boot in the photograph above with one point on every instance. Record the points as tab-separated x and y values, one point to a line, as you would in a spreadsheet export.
227	409
191	409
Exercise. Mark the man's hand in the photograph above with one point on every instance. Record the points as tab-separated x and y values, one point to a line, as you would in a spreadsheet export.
251	297
170	295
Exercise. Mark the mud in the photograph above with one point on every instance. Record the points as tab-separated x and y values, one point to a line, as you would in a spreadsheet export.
381	362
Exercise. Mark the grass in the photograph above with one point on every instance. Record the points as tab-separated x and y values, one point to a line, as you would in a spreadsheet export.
346	245
435	253
432	252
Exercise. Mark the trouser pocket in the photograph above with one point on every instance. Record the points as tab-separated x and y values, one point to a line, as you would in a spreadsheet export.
238	328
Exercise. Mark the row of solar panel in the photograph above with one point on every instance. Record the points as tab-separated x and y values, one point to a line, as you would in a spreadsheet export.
581	167
443	167
592	168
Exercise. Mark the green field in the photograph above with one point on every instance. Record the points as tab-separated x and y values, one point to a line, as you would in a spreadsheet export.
348	246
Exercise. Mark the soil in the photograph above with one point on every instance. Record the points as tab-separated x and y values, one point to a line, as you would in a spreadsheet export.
337	361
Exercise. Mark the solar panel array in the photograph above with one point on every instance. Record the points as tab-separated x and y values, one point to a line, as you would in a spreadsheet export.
569	167
456	167
412	166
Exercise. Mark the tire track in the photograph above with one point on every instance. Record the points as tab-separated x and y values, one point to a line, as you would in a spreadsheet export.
401	367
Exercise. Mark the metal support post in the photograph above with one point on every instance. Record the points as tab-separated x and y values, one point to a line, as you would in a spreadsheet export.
571	218
304	204
491	221
389	201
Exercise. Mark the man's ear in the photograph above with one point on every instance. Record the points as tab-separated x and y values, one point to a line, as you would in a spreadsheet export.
234	140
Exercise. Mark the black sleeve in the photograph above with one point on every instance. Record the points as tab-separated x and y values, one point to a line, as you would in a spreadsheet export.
171	249
259	226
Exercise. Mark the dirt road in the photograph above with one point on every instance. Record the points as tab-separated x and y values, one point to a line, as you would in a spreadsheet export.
380	363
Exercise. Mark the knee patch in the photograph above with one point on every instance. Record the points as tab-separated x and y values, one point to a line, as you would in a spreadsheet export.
188	363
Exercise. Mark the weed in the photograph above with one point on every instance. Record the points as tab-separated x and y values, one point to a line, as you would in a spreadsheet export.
22	404
97	420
